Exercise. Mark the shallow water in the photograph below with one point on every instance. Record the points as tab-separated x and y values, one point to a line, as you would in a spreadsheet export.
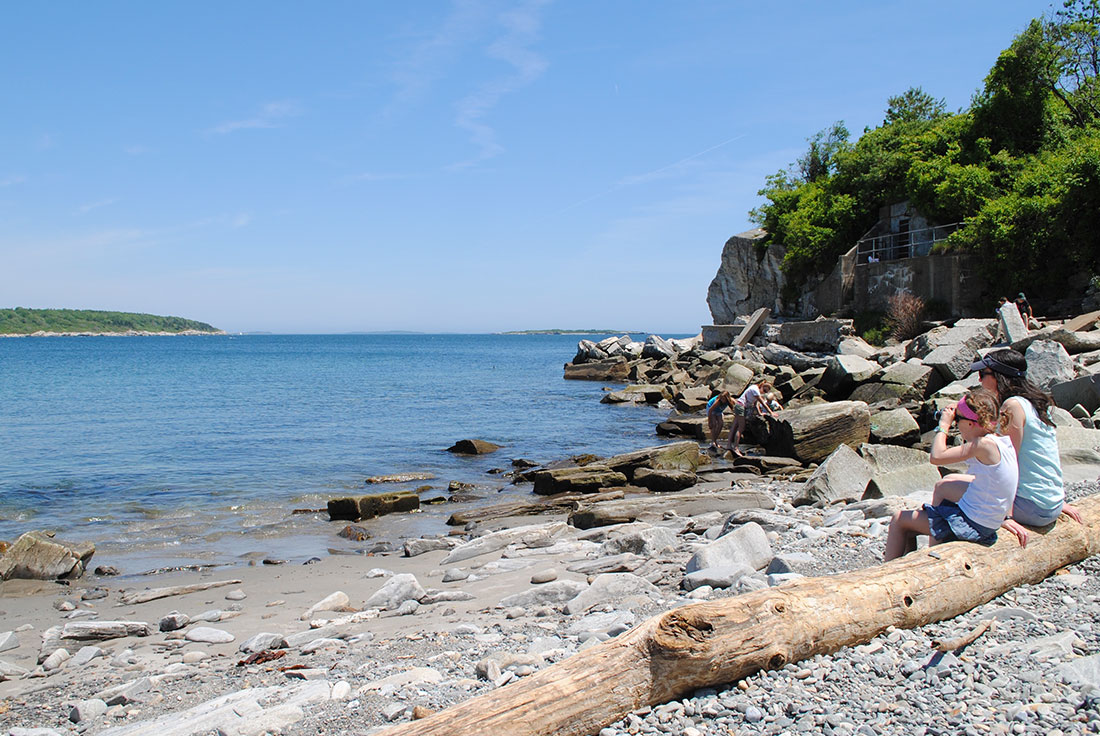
176	450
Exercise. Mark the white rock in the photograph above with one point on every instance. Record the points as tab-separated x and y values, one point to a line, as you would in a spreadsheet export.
341	690
87	710
194	657
209	635
337	601
236	595
85	655
57	659
8	640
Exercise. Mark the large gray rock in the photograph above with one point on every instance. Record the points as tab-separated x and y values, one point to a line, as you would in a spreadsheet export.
746	545
38	556
395	591
975	333
645	542
735	379
674	456
534	535
586	479
1084	391
664	481
953	360
611	587
856	346
842	476
657	347
1012	324
894	427
887	458
811	433
745	281
558	591
615	370
903	381
1048	363
777	354
844	372
902	481
1073	342
716	577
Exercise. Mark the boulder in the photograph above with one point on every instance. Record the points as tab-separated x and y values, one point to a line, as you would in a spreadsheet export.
1048	363
856	346
395	591
842	476
38	556
887	458
664	480
777	354
1012	324
615	370
1084	391
473	447
894	427
844	372
558	591
675	456
716	577
585	479
656	348
534	535
746	545
902	481
811	433
635	393
1073	342
902	381
975	333
648	542
609	588
735	379
953	360
802	563
692	399
372	505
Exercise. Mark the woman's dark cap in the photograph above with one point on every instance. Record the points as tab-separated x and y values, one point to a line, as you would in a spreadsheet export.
997	366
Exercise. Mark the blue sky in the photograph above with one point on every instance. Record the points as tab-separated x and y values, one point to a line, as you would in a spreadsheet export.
468	166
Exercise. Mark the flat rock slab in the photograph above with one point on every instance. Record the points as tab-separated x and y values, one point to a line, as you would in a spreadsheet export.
686	503
105	629
473	447
209	635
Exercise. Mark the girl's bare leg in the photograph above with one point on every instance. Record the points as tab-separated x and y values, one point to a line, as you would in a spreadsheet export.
951	488
901	538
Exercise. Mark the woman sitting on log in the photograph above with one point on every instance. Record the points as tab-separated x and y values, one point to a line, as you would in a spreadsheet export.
1025	417
972	506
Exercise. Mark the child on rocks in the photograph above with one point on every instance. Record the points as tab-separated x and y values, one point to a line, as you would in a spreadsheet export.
751	402
715	408
965	506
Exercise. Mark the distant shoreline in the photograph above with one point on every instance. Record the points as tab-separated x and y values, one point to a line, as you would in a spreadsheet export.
126	333
573	332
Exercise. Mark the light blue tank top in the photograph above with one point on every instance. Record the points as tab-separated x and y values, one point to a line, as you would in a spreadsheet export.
1040	467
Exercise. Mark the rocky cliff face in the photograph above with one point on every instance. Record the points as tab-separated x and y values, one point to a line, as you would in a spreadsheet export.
745	281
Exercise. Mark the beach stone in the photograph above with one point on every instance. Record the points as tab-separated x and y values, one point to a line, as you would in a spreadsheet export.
9	671
725	576
407	608
660	481
586	479
105	629
17	731
446	596
1083	673
787	562
8	640
236	595
195	657
337	601
454	575
395	591
412	677
57	659
625	562
354	532
536	535
416	547
473	447
262	642
86	654
647	542
557	591
746	545
811	433
602	622
842	476
1083	391
544	576
610	587
38	556
776	354
208	635
87	710
770	521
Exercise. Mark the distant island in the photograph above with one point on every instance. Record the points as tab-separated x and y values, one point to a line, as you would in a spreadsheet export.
573	332
22	321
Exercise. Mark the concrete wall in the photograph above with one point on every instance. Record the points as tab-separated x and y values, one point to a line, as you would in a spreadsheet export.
943	278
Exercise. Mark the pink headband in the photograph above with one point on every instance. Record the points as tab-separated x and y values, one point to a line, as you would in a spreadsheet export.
963	410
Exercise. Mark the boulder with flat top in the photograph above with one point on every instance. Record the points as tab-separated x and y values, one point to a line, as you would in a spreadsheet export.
811	433
38	556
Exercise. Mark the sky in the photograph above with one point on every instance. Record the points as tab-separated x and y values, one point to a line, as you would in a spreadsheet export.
467	166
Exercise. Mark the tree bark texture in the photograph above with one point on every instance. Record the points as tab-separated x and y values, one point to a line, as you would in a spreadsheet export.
718	642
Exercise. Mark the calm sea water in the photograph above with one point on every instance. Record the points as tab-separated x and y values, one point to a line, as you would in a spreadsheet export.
177	450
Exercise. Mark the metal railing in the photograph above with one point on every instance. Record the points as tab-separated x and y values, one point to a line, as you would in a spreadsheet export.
908	244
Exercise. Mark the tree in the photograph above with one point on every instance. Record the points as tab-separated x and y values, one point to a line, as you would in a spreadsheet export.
912	106
820	160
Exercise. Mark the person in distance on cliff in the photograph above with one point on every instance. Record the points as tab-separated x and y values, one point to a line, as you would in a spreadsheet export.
751	402
965	506
715	408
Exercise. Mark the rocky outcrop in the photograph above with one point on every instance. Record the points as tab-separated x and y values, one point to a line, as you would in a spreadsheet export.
745	280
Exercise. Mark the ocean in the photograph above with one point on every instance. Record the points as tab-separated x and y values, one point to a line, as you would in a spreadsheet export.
168	451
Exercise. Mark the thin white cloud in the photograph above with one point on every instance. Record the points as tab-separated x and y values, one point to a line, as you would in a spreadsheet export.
86	208
11	181
270	116
521	26
648	176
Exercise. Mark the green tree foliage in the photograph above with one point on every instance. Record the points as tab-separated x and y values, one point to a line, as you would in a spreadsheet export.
22	321
1021	167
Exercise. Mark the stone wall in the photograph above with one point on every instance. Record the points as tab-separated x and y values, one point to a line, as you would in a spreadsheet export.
943	278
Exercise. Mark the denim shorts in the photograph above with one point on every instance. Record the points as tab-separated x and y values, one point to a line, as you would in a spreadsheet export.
948	523
1028	513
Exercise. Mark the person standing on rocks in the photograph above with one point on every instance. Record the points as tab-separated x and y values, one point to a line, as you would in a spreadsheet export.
971	506
715	408
1025	417
751	402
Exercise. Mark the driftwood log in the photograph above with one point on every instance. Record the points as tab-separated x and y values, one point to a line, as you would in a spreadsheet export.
717	642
